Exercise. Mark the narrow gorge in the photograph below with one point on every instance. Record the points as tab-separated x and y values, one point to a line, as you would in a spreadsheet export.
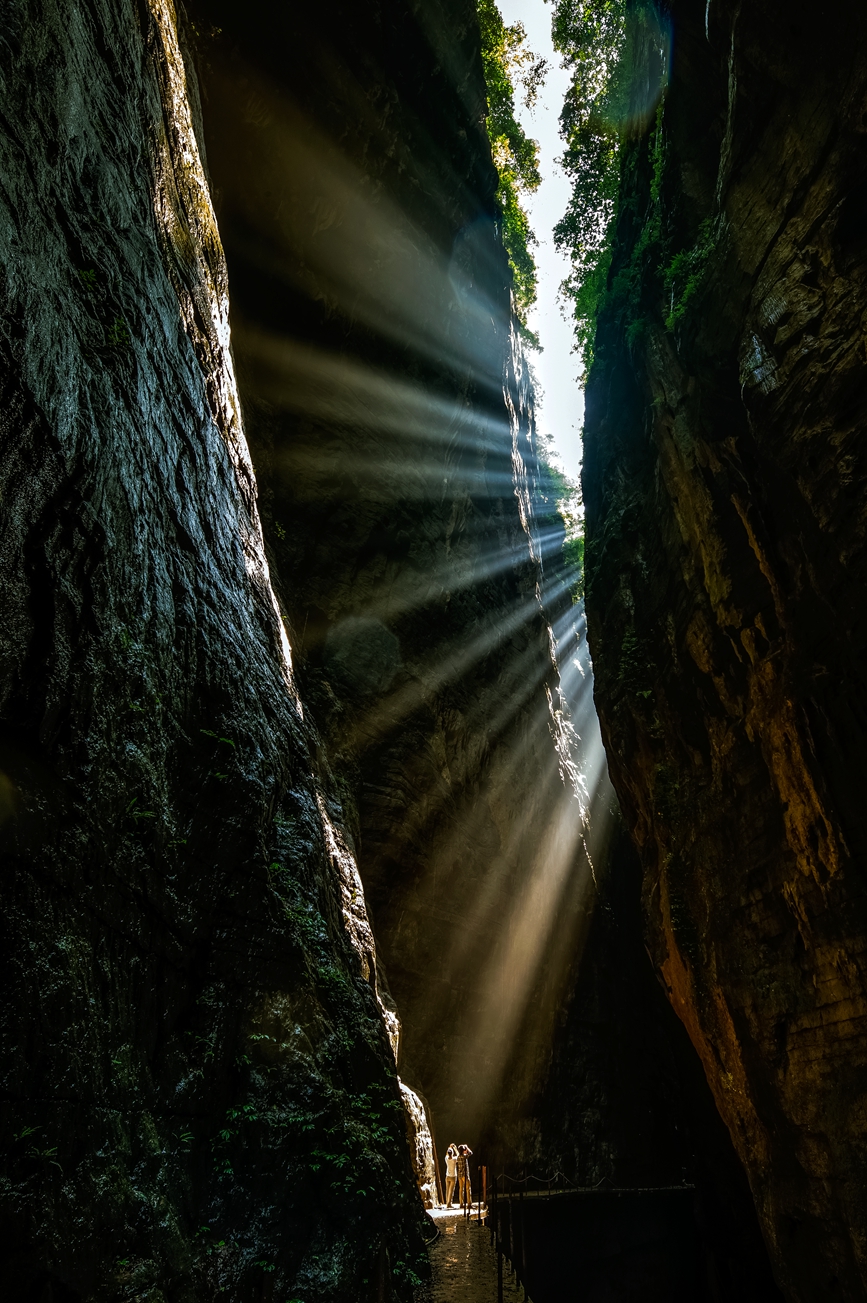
315	854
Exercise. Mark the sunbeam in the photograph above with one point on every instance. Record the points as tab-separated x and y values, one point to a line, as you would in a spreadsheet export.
441	645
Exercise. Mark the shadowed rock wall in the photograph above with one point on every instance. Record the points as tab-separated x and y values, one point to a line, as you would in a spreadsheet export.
725	489
625	1103
198	1094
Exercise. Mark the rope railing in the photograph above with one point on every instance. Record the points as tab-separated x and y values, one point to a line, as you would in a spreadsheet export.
500	1205
507	1232
506	1223
556	1181
507	1229
559	1183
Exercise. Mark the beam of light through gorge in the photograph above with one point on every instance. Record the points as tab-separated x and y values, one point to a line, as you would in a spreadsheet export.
394	409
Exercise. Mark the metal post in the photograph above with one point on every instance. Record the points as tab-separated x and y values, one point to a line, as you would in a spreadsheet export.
519	1232
499	1274
523	1241
511	1235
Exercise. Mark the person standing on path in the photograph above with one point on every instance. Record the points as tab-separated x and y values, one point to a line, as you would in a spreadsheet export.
464	1189
451	1173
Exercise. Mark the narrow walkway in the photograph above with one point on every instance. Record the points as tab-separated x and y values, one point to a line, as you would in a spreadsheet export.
464	1265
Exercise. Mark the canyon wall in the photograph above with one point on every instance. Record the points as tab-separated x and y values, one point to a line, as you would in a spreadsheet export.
725	489
220	746
199	1096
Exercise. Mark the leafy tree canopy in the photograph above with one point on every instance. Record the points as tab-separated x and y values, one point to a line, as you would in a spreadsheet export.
508	62
560	501
598	40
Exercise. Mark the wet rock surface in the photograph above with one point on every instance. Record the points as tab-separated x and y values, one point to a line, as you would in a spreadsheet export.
724	483
464	1266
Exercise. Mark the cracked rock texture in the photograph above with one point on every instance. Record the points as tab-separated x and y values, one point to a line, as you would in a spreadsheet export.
725	480
199	1098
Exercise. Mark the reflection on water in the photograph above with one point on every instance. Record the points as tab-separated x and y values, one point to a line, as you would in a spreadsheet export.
464	1266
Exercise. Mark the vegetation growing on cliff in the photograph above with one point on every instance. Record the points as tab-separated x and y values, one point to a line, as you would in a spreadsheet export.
563	520
685	274
590	35
602	43
508	61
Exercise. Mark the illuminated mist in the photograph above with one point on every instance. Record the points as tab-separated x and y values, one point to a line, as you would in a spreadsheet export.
428	606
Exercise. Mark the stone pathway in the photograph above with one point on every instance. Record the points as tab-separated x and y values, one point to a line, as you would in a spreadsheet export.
464	1265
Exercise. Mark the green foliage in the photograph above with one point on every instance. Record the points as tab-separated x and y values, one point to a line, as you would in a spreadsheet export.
573	554
117	335
308	924
590	36
209	732
350	1157
684	275
404	1272
137	814
599	41
625	291
564	495
507	60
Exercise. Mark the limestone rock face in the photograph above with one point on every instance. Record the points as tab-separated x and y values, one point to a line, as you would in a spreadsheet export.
193	1049
725	487
421	1148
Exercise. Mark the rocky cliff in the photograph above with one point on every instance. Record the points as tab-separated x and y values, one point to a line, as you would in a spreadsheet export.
724	481
218	744
199	1097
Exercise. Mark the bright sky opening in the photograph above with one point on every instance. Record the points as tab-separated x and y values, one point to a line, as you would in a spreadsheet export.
561	409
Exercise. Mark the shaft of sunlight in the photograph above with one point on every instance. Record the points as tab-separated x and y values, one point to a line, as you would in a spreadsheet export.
420	468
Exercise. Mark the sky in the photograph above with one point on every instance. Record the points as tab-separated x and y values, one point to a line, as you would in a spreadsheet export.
561	411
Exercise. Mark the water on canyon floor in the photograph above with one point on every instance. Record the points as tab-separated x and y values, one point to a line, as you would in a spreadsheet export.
464	1265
